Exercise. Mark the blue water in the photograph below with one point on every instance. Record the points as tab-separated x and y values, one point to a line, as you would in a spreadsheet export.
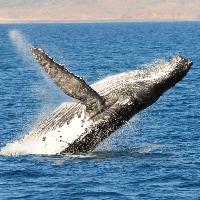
154	156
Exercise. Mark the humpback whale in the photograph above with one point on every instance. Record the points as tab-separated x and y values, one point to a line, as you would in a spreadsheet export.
96	111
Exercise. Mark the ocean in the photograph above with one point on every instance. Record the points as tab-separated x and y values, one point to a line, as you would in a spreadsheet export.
154	156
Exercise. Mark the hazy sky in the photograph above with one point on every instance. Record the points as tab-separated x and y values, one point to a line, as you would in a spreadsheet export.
69	10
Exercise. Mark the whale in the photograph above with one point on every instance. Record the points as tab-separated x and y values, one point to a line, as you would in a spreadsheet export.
95	111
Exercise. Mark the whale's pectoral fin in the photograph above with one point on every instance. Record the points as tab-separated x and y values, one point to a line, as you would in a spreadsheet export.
70	84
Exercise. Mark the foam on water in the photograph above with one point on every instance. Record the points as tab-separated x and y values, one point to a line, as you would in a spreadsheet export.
51	142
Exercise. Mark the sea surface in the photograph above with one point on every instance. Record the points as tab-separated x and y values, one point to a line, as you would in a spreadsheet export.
155	156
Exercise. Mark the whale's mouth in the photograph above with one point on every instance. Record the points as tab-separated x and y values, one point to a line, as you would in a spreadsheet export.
190	63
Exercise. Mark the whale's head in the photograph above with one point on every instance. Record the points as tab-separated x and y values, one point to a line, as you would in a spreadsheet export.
165	75
146	86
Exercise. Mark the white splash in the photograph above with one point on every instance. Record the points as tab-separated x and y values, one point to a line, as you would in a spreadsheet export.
21	43
50	143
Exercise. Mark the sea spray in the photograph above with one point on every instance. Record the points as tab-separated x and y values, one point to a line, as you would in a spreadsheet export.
21	44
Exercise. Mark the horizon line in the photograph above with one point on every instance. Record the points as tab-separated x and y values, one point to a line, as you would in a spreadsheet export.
94	21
